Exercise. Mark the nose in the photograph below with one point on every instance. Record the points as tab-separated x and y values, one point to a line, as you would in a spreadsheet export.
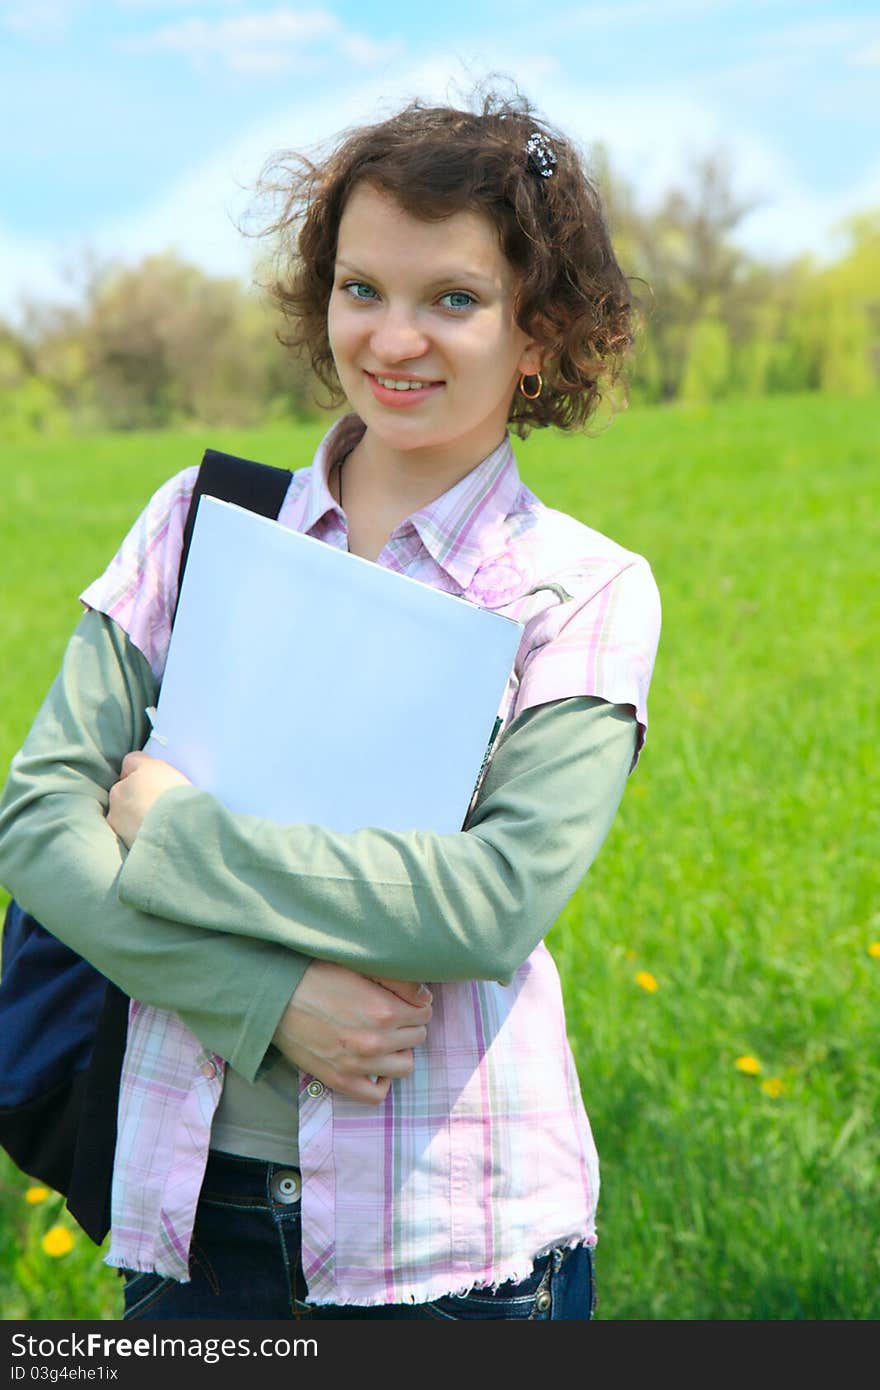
397	336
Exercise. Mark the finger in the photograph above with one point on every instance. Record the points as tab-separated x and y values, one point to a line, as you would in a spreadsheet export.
363	1048
131	762
389	1011
410	991
410	1037
364	1088
374	1092
116	813
375	1062
393	1065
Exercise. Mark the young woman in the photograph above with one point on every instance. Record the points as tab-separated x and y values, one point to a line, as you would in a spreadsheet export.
347	1089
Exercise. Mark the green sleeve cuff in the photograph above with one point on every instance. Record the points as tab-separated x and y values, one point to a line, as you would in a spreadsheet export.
252	1052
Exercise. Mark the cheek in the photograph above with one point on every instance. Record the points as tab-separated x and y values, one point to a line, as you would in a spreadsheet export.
498	343
341	331
333	331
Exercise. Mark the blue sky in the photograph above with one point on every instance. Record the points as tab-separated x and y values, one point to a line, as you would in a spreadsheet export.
134	126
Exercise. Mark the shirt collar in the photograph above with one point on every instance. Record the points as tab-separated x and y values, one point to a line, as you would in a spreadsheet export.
455	528
339	440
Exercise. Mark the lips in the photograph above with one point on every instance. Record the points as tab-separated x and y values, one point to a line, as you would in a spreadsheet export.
401	390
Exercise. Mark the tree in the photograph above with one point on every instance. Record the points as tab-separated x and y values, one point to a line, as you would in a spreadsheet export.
706	373
165	343
28	404
839	311
683	253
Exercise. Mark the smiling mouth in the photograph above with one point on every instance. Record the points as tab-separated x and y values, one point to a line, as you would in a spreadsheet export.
393	383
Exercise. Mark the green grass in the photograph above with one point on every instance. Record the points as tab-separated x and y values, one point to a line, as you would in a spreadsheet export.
741	871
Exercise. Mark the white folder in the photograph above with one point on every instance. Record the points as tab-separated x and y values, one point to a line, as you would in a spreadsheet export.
308	685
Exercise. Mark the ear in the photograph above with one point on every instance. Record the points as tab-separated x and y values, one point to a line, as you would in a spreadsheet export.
531	359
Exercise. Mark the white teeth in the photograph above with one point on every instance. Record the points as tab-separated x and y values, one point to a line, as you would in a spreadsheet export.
394	385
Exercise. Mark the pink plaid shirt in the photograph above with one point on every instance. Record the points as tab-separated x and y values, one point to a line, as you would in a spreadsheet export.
483	1158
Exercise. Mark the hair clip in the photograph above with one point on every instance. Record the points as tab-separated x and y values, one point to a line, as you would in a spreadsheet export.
540	156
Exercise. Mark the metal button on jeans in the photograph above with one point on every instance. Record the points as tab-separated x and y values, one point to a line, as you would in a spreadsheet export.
315	1088
286	1186
543	1301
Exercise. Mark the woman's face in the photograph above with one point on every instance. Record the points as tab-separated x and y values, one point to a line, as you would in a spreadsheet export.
431	304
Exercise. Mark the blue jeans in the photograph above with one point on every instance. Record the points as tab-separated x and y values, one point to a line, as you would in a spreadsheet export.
245	1263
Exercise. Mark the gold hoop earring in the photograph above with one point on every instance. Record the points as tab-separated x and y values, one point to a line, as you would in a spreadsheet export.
531	395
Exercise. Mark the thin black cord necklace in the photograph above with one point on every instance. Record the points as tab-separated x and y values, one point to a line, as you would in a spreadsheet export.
339	464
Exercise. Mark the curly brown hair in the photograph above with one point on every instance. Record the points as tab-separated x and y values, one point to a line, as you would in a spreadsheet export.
572	297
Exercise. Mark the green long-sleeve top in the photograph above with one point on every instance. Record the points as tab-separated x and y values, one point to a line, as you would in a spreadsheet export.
217	915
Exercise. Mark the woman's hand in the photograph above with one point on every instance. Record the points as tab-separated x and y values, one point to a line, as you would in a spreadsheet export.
142	781
353	1033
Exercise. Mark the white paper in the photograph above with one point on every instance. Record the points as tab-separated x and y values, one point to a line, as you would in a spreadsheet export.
308	685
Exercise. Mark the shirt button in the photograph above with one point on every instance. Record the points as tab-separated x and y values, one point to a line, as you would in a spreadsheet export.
286	1186
209	1070
543	1301
316	1089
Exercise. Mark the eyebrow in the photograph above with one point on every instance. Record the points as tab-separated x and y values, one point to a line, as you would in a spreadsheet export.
454	275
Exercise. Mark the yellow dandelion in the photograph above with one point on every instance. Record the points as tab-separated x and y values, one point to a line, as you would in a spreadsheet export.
33	1195
874	950
750	1065
57	1241
773	1087
646	980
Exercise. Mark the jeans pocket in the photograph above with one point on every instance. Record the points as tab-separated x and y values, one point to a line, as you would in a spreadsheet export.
142	1292
572	1285
512	1300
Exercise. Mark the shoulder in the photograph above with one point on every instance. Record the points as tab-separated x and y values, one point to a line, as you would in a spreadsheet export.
541	557
588	588
590	609
590	567
138	589
589	558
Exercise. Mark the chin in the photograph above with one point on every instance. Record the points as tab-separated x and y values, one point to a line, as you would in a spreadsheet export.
403	429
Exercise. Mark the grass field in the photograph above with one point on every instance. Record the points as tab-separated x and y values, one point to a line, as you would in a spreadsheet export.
740	878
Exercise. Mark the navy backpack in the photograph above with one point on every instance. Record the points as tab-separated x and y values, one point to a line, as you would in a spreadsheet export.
62	1024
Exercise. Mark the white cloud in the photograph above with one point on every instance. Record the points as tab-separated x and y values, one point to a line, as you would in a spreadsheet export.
625	12
137	5
32	269
818	36
866	58
655	136
273	41
366	51
855	40
38	19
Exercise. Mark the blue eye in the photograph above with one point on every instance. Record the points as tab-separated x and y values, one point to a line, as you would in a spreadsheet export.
457	299
358	290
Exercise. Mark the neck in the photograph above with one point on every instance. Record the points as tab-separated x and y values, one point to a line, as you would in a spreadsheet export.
404	481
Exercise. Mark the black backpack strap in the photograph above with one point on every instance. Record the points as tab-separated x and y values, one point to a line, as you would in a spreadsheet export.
257	486
88	1198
